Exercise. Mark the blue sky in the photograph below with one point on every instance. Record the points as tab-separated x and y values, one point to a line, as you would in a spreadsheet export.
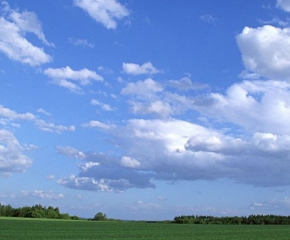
146	109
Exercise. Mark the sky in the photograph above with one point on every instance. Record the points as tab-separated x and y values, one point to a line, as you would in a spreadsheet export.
146	110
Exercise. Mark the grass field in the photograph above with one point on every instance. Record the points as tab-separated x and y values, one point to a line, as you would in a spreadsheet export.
22	229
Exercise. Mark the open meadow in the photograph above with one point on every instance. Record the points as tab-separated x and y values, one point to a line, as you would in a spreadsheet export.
15	228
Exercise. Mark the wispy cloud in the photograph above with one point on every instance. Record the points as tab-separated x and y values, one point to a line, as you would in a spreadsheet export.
104	106
81	42
208	18
43	194
9	116
13	27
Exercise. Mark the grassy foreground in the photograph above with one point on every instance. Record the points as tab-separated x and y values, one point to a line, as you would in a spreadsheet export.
11	228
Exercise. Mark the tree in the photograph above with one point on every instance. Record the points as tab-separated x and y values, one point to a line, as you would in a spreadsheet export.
100	217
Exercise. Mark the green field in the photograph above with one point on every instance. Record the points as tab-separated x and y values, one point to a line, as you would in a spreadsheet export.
85	230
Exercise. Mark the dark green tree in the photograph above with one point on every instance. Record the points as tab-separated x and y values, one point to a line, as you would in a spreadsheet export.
100	217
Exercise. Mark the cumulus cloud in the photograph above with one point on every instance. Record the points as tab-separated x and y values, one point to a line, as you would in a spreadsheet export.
64	76
105	12
105	173
136	69
180	150
13	26
12	158
261	53
43	194
264	105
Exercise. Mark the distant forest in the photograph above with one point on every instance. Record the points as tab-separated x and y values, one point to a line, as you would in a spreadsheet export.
39	211
250	220
36	211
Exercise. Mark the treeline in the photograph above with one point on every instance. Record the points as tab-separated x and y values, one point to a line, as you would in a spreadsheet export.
250	220
36	211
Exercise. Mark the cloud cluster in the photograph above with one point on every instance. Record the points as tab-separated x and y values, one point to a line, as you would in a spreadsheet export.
43	194
244	136
13	27
105	12
102	172
10	116
149	97
174	150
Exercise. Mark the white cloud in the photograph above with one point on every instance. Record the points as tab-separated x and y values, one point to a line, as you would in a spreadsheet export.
28	22
261	53
85	183
84	76
135	69
159	108
104	106
64	76
88	165
51	127
186	84
12	37
180	150
142	88
43	194
105	12
71	152
41	110
247	75
67	84
10	114
98	124
284	4
12	159
129	162
150	97
264	105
